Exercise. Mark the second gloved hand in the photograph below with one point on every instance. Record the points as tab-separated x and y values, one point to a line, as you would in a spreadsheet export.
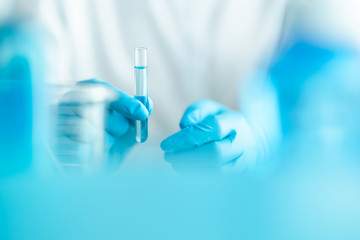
212	137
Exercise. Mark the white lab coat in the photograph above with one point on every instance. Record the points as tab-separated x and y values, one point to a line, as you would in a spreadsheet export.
197	49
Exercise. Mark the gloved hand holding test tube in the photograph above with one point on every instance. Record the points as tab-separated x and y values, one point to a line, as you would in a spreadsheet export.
141	90
119	119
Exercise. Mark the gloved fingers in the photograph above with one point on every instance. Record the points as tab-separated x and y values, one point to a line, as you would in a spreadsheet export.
109	140
123	103
117	125
120	109
129	107
150	105
199	111
213	128
210	155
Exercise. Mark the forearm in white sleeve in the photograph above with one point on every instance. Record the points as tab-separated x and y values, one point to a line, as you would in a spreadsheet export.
258	103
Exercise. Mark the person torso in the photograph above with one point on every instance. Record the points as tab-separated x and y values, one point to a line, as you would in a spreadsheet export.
197	49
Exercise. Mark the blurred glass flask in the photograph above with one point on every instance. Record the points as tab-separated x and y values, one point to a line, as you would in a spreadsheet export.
80	142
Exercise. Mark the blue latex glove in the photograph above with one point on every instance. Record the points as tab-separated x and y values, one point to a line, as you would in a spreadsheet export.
211	137
123	110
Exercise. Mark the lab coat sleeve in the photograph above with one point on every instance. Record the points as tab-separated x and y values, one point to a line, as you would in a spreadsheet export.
331	23
258	103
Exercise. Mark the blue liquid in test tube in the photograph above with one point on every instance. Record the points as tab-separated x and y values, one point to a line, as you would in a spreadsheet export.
141	90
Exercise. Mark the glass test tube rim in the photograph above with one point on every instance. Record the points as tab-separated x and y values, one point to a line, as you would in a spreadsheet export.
140	57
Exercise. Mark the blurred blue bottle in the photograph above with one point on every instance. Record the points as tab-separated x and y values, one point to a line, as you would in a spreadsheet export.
318	90
17	59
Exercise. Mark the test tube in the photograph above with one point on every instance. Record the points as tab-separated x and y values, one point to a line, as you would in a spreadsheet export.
141	90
